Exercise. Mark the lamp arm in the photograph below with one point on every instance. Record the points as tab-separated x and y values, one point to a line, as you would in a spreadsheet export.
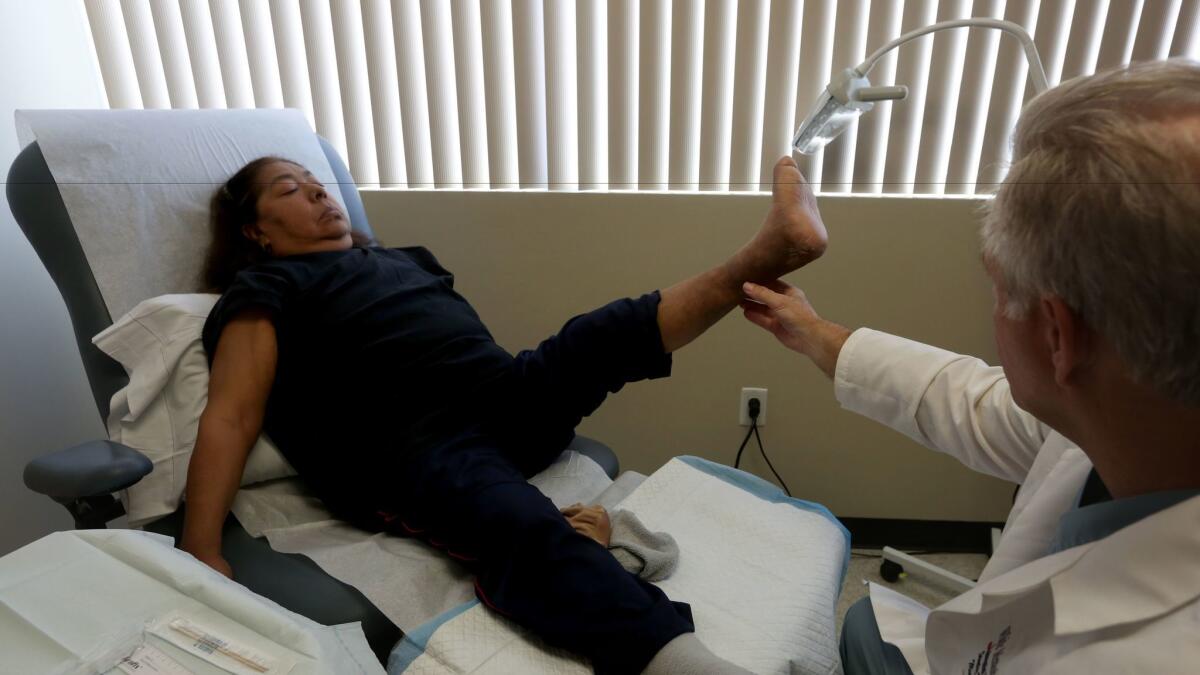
1037	72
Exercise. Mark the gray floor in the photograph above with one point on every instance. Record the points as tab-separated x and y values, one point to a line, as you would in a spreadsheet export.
864	566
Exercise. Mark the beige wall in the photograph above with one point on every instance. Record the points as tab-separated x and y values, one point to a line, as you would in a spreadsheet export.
529	261
45	402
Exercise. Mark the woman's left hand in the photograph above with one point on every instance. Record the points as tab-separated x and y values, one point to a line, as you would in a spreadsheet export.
590	521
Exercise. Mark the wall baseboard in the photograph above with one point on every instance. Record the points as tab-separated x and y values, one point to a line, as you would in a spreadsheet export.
942	536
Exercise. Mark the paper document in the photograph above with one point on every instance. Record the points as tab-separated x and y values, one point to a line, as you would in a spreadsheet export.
148	660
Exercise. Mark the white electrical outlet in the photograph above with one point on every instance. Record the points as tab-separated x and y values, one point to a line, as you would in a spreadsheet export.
744	408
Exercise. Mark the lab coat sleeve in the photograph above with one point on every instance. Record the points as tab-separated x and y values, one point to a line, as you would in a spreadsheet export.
945	401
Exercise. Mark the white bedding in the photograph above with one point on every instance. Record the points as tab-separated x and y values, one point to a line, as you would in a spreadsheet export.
761	571
410	582
158	412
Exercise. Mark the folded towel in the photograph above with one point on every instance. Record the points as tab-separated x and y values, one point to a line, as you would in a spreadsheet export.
650	555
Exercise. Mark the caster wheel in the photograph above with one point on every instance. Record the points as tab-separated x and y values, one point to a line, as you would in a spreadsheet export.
890	571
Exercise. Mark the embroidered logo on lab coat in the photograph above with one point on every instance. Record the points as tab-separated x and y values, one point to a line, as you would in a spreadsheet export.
988	660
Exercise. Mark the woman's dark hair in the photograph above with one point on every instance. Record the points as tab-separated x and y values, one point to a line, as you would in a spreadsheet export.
233	207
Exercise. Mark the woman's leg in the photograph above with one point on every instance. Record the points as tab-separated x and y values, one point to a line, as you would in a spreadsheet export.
792	235
531	566
569	375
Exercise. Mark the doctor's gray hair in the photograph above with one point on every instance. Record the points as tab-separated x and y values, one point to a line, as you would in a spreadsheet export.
1101	207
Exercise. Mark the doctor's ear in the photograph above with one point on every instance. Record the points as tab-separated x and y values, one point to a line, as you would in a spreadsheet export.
1068	338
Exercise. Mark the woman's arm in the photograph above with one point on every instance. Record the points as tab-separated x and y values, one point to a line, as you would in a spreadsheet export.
242	372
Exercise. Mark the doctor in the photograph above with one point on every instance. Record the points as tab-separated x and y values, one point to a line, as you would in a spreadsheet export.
1093	246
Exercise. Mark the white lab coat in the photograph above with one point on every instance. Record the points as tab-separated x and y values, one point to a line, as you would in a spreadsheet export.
1129	602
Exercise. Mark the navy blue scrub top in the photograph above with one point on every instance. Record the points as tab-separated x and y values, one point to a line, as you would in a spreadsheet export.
378	357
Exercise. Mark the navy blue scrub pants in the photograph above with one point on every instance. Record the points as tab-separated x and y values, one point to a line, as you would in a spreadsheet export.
469	496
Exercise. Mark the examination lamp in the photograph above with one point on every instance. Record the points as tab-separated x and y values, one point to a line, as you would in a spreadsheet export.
850	94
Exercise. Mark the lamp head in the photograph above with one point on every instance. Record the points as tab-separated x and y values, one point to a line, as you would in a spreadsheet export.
849	95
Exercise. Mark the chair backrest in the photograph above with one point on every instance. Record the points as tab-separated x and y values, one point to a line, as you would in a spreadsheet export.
38	208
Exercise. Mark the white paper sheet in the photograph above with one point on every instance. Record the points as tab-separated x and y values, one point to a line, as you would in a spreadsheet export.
902	623
407	580
137	184
761	571
79	602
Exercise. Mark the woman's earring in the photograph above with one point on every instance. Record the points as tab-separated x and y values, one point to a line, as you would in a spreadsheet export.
266	247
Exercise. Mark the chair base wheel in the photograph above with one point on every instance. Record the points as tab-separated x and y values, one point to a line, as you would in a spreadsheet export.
890	571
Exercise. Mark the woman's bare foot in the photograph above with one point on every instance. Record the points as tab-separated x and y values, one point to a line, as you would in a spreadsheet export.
792	235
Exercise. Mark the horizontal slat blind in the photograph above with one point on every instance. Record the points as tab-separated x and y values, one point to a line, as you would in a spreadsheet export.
414	103
716	105
783	58
1083	44
202	48
529	58
260	49
114	52
591	20
624	94
941	102
871	145
979	70
472	106
1155	30
177	67
293	63
749	83
1116	47
1187	31
147	59
562	118
385	93
654	92
438	40
687	67
323	73
351	51
231	53
1008	89
849	48
500	94
900	166
816	55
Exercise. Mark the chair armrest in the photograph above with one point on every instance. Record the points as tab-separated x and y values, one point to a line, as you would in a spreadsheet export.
598	452
86	470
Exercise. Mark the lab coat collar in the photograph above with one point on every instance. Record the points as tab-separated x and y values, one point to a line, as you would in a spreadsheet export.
1142	571
1137	573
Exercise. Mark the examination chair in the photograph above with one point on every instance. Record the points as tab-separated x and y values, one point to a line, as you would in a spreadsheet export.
84	478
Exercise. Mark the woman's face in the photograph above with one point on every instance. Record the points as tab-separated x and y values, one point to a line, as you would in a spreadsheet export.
296	214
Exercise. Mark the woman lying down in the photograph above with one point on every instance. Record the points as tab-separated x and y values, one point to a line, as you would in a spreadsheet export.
383	388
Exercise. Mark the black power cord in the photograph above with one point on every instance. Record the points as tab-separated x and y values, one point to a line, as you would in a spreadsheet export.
753	406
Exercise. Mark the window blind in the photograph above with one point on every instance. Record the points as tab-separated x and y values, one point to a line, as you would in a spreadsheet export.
623	94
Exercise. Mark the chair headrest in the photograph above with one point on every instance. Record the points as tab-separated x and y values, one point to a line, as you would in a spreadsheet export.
137	184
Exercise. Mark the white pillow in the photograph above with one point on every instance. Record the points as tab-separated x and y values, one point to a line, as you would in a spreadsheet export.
158	412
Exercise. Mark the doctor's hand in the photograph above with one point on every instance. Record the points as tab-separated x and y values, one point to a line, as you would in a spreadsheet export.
784	311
